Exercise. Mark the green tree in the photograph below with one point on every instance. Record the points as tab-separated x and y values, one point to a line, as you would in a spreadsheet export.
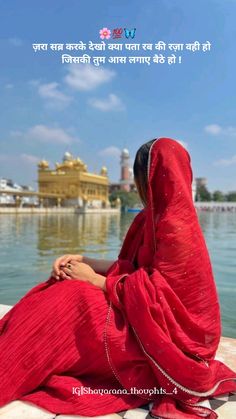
202	193
218	196
231	196
128	199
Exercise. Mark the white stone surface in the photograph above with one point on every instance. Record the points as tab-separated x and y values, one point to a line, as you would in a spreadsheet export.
24	410
112	416
4	309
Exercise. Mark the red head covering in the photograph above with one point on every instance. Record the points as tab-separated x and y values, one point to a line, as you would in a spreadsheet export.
163	284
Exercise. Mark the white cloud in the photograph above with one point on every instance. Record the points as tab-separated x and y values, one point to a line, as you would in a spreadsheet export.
213	129
112	103
111	151
216	129
43	133
50	92
226	162
87	77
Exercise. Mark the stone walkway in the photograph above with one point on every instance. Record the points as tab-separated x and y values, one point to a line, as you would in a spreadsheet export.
224	406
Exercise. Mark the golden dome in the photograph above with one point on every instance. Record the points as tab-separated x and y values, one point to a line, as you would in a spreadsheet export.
43	164
78	162
103	171
68	163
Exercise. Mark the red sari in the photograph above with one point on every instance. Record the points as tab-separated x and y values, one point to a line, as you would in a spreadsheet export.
156	329
167	293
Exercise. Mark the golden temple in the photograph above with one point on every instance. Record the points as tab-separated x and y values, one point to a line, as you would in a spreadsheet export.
70	184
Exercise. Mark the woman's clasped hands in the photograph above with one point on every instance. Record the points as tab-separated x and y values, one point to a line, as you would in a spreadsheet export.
74	267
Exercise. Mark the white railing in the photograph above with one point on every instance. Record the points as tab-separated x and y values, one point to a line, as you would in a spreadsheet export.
216	206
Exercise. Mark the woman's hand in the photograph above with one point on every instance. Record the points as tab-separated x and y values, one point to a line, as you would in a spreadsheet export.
81	271
62	261
100	266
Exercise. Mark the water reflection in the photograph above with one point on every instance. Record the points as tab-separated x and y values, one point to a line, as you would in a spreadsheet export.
75	233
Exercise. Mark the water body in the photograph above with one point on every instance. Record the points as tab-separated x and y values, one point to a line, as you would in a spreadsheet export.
30	243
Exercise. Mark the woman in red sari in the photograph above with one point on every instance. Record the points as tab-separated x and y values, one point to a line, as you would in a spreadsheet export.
143	328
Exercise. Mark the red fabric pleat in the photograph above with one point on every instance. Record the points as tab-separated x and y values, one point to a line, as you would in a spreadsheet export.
52	341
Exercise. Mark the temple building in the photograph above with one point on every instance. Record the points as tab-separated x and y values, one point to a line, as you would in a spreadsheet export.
72	184
126	182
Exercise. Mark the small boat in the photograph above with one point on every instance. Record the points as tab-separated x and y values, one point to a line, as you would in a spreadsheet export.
135	209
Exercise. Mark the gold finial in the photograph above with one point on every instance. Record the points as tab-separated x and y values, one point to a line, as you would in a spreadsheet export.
67	156
103	171
43	164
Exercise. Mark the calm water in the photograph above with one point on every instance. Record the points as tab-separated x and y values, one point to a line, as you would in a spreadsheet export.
30	243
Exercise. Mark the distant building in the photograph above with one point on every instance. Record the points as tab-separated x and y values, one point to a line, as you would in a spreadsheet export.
6	198
201	181
73	184
6	185
194	189
126	182
126	179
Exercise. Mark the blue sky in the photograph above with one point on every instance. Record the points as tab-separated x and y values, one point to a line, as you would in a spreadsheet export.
48	107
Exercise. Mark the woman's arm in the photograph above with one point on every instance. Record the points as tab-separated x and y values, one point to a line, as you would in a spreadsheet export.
83	272
100	281
99	265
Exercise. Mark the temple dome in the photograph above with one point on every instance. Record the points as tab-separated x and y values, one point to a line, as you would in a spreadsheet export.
43	164
67	156
103	171
69	163
125	152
